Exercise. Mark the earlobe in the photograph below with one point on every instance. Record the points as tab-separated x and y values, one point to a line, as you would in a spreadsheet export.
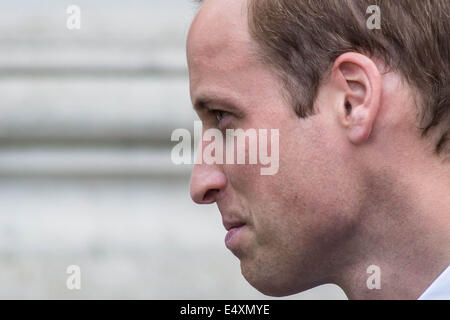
360	88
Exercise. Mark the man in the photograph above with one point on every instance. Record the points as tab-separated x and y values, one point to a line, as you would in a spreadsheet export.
364	121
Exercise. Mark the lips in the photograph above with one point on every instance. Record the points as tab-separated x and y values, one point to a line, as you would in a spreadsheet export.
233	228
232	224
231	234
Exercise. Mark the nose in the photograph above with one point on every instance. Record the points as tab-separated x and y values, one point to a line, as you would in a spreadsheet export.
207	182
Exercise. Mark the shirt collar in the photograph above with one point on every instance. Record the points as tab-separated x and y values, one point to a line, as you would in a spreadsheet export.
439	289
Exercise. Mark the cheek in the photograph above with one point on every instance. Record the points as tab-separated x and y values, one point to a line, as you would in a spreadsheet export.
267	198
321	185
271	206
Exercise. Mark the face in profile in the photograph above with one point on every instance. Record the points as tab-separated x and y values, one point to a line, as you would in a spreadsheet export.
361	131
285	228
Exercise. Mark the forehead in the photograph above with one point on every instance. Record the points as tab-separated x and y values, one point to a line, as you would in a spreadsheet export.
218	24
218	39
223	60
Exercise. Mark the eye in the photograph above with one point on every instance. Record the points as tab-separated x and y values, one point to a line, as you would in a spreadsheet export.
220	115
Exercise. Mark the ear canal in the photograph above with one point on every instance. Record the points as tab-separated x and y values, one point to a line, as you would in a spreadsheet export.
348	108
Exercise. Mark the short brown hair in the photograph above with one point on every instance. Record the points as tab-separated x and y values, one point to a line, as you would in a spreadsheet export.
302	38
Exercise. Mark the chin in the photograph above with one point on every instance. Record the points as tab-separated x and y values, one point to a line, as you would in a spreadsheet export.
271	284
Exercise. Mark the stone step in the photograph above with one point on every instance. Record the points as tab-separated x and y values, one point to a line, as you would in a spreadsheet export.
90	163
93	110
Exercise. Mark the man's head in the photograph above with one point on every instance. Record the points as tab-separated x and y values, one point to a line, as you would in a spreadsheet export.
351	106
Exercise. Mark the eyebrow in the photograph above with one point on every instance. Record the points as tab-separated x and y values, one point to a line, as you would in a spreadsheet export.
206	103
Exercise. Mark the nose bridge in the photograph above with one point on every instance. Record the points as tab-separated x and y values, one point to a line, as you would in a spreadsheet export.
207	181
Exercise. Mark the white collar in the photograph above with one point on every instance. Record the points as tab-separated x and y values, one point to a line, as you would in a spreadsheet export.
439	289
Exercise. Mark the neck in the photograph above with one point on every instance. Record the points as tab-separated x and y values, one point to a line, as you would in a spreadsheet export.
405	231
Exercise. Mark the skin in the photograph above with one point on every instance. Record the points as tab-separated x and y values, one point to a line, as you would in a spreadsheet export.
353	189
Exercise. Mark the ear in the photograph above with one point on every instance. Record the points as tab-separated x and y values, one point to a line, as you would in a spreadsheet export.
358	81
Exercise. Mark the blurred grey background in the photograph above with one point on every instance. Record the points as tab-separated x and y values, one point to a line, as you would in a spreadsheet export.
85	172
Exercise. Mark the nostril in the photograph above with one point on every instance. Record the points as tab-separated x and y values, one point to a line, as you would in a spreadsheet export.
210	196
206	184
